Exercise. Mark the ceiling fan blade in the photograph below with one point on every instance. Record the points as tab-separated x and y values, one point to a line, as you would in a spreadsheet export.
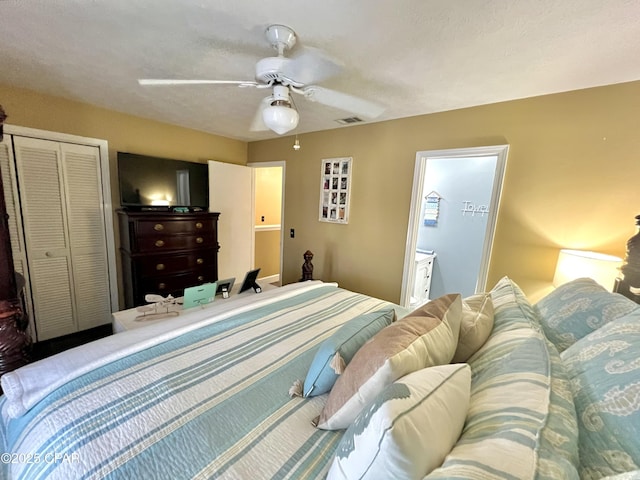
160	81
342	101
311	66
258	125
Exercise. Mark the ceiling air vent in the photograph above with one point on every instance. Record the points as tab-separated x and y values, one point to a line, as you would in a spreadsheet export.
349	120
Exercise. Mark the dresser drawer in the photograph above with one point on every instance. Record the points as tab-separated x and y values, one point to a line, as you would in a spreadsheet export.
175	284
160	265
154	227
161	243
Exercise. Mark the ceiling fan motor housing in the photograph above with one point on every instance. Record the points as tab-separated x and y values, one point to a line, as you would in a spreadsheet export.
270	70
280	95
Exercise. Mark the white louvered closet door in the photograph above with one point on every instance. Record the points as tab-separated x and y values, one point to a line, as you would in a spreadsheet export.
64	234
87	236
18	249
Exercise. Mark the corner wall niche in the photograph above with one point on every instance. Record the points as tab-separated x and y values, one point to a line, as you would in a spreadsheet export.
57	193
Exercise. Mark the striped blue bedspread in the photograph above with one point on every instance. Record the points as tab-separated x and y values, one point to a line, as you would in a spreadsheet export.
210	403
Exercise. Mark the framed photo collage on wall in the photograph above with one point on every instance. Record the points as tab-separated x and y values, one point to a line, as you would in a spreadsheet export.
335	189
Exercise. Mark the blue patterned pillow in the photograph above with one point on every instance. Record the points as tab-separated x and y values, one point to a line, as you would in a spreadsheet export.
338	350
604	369
577	308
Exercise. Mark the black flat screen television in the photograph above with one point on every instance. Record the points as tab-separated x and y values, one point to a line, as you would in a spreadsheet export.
155	182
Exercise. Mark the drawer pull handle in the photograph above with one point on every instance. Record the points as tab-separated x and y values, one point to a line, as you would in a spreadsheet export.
200	278
159	243
199	240
158	227
199	261
160	266
199	225
162	286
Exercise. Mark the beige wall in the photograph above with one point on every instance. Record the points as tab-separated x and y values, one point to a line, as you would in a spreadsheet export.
123	132
268	192
267	256
571	181
268	204
571	177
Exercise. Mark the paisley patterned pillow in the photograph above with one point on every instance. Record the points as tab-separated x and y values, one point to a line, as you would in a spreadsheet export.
604	370
577	308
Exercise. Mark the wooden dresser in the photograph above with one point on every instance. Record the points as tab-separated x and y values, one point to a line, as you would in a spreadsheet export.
164	252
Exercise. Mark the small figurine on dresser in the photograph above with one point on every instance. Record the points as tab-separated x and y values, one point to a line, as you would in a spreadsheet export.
307	266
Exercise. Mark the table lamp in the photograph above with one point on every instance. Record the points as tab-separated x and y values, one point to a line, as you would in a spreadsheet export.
574	264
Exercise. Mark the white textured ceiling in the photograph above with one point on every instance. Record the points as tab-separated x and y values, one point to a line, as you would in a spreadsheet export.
414	56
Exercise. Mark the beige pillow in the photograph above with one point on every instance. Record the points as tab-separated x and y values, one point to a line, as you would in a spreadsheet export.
426	337
476	325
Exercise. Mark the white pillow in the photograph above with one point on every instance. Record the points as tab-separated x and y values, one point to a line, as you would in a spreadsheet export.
408	429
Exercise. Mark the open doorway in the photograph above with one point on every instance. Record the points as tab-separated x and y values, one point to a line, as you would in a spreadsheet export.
268	181
232	192
452	220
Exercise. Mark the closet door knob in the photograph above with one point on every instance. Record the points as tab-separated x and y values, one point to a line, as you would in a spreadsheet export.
49	254
158	227
159	243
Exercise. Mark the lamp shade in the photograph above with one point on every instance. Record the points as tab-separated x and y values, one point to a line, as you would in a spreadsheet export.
574	264
280	118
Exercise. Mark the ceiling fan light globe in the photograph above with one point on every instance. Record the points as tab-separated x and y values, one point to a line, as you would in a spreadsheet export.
280	119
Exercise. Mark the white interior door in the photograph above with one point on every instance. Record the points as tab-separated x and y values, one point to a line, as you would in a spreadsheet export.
231	194
87	236
42	196
65	235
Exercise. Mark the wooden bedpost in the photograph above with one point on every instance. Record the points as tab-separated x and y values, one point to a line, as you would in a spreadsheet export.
15	342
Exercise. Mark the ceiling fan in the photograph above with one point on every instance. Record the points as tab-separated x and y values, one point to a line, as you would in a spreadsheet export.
284	75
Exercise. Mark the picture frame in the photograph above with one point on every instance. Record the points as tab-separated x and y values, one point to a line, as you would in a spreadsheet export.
225	286
250	281
335	189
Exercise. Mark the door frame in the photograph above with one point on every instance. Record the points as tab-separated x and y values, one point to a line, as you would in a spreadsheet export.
408	274
276	163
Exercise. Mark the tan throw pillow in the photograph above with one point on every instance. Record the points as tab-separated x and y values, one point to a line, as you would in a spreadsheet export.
426	337
476	325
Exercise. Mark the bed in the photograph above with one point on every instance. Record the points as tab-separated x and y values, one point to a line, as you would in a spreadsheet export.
203	395
489	386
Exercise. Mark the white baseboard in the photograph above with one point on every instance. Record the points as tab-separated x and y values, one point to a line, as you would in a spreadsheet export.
271	279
